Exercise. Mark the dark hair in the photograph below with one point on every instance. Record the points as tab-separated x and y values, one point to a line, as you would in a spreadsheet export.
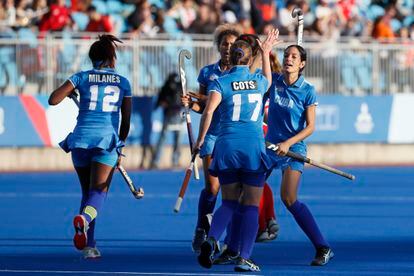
102	51
252	40
224	30
302	51
240	53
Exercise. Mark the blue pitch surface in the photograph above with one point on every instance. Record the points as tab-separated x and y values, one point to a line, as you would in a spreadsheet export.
369	223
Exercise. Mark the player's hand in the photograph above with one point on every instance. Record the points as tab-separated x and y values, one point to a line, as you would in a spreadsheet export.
186	100
271	40
197	146
283	148
198	96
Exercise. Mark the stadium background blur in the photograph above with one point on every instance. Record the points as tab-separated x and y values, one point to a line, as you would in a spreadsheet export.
361	61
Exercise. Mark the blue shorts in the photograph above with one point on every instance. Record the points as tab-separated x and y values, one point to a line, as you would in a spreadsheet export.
283	162
208	145
84	157
256	179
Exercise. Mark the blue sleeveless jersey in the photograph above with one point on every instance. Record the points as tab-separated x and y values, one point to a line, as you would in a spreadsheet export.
101	93
206	77
287	109
240	143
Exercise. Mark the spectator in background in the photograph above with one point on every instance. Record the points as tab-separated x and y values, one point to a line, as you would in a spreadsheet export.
98	22
38	9
141	21
206	21
169	100
57	18
10	13
382	26
287	22
184	13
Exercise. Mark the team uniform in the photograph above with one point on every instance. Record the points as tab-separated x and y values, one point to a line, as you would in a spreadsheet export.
207	75
95	137
240	144
287	117
239	156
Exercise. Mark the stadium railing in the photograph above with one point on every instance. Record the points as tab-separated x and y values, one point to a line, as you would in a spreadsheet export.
34	65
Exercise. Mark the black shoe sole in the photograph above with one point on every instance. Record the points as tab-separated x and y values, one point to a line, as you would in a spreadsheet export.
205	257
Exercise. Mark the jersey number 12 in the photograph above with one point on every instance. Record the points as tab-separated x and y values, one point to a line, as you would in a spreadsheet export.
109	100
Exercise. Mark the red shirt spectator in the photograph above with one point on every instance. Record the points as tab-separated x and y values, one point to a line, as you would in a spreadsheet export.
57	17
98	22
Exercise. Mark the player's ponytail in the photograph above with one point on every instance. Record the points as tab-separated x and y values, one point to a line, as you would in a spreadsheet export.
102	52
240	53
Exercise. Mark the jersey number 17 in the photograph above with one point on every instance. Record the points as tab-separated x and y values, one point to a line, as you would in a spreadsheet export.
253	98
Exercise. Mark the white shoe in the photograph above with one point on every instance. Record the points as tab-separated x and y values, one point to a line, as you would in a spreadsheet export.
264	237
273	227
91	253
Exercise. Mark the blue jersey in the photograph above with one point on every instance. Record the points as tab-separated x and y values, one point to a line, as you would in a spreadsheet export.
206	77
101	94
287	106
240	144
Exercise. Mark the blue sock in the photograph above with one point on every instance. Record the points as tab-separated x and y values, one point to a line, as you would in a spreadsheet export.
308	224
221	218
233	236
206	204
93	204
91	234
249	227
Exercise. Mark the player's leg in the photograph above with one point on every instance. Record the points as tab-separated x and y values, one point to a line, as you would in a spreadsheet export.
270	216
303	216
90	250
222	216
102	168
249	209
206	204
81	159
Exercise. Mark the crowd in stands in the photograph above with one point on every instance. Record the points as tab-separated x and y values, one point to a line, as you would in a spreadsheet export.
331	19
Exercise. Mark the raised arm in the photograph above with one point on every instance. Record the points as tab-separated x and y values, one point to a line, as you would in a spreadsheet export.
266	46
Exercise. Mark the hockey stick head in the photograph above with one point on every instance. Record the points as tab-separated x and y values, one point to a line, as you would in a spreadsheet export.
184	54
297	12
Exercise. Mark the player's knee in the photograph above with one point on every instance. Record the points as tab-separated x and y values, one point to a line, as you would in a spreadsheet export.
288	200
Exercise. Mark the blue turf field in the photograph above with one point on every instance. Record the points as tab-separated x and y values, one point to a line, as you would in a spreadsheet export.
369	223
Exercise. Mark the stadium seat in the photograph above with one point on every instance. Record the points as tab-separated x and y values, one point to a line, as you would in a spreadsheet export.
375	11
81	20
27	35
114	7
396	25
120	25
100	6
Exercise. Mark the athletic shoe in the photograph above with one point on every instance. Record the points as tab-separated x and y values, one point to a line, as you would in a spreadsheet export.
91	253
205	259
244	265
273	227
199	237
81	228
227	257
265	237
322	256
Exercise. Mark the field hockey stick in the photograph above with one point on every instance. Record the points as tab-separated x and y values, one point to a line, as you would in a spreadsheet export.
297	12
305	159
138	193
184	185
181	60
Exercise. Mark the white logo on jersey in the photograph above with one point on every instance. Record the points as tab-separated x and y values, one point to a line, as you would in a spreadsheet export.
282	101
213	77
244	85
2	121
364	123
